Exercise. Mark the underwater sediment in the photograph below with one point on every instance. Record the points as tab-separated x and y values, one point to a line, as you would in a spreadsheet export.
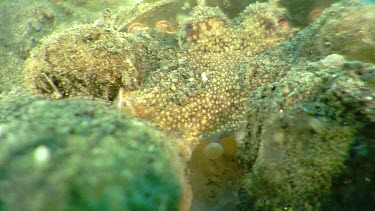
266	109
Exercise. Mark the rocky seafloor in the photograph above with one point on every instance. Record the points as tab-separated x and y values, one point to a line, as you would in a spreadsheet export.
187	105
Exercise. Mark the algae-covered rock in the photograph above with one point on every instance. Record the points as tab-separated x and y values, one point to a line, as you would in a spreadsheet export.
24	24
91	60
303	12
351	33
300	133
79	154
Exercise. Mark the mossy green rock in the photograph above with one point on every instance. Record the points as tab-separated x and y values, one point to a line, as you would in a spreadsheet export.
303	131
80	154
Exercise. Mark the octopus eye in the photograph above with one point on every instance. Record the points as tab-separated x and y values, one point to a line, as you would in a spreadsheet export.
136	27
283	22
164	25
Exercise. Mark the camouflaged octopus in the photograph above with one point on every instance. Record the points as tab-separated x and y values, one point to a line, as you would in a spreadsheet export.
187	79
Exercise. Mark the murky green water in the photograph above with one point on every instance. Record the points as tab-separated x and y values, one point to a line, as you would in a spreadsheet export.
187	105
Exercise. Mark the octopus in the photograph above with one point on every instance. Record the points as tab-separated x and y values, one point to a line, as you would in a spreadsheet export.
192	92
191	75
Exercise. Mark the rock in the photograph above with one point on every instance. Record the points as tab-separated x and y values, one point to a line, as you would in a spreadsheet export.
79	154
